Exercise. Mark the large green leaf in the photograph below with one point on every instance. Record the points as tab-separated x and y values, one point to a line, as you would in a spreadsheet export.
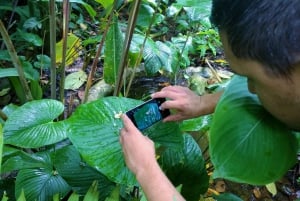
12	72
32	126
112	52
246	143
157	55
94	131
186	167
15	159
40	184
78	174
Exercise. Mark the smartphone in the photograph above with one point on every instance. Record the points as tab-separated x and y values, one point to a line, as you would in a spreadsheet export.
148	113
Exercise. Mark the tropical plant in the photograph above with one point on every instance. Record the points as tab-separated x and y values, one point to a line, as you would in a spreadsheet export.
49	156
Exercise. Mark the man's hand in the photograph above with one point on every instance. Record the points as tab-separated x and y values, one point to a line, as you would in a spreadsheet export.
183	100
139	151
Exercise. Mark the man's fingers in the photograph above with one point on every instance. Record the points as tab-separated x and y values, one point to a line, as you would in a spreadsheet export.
127	123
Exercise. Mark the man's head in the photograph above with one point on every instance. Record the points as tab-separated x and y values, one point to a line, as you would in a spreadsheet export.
261	40
267	31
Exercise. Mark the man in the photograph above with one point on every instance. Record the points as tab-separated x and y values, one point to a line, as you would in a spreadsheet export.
261	41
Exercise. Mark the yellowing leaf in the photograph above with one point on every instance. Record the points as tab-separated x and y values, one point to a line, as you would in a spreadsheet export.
75	80
272	188
73	47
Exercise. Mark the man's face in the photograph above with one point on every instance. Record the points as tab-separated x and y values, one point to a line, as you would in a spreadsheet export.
280	96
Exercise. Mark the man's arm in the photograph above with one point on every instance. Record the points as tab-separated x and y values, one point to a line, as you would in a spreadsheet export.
139	153
186	103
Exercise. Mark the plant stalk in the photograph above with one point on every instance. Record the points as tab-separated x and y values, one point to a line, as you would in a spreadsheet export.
16	62
129	33
96	59
139	56
52	48
66	11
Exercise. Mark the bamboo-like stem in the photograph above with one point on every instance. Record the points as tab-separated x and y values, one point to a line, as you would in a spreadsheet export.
15	3
52	48
129	33
96	59
66	9
16	61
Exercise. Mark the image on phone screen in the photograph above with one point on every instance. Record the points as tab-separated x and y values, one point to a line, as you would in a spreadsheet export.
145	115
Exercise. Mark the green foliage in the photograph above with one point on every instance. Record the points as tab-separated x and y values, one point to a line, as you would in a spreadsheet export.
187	168
247	149
93	126
28	127
112	52
37	144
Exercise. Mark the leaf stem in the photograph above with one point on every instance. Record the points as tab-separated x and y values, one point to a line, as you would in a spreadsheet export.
16	62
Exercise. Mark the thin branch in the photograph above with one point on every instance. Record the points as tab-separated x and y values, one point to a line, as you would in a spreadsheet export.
129	33
139	58
52	48
66	9
96	59
16	61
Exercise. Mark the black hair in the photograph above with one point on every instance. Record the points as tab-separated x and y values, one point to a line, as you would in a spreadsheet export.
267	31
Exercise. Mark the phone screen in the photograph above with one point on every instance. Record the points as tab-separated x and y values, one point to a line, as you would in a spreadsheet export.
148	113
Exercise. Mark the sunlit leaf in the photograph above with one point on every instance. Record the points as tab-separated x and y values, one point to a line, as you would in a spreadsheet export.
105	3
272	188
246	142
92	194
22	196
197	124
73	47
75	80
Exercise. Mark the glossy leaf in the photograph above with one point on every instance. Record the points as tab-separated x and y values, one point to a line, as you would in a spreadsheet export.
197	124
31	125
112	52
15	159
68	163
94	131
40	184
157	55
186	167
246	143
